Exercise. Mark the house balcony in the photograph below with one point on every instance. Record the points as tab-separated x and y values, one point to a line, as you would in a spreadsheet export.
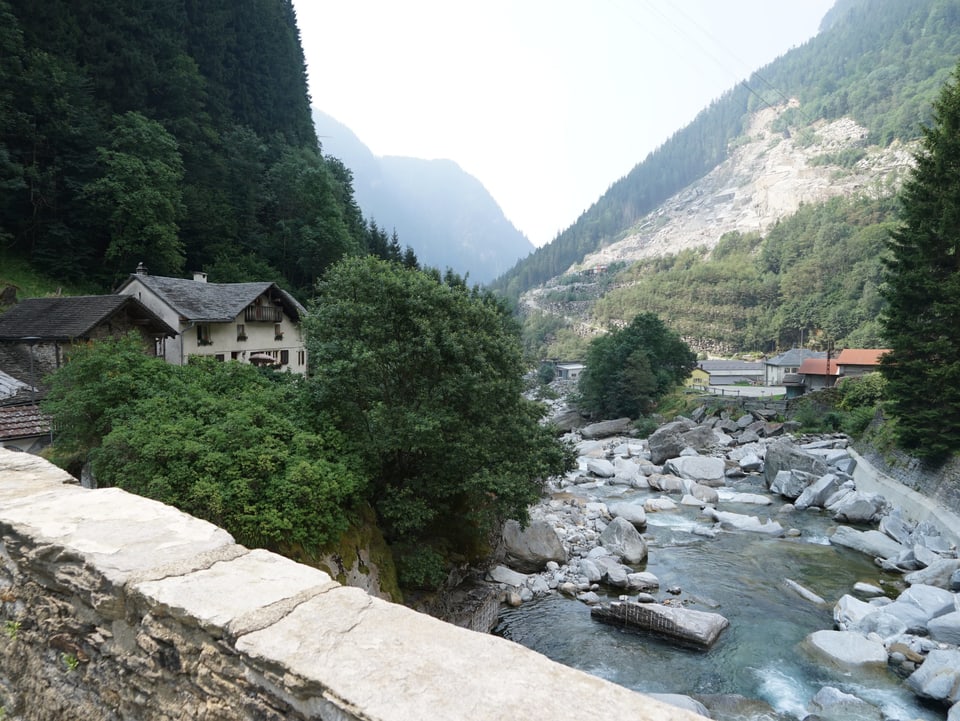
262	314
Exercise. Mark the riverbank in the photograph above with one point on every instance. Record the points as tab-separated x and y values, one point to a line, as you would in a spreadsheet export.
732	541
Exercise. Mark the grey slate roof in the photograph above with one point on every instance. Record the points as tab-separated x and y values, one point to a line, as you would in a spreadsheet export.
794	357
204	302
70	317
10	386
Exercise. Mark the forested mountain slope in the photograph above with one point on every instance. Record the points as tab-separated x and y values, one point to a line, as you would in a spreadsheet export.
800	202
445	214
178	134
877	62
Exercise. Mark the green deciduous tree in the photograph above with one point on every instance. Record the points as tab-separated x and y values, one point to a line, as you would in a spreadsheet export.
425	375
922	291
629	369
97	388
223	441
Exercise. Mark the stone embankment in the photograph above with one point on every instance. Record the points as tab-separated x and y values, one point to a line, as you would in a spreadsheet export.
577	544
117	607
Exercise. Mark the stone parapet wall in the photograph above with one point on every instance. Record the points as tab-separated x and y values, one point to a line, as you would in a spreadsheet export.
117	607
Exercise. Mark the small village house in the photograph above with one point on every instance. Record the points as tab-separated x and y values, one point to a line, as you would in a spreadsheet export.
787	363
36	336
854	362
722	372
817	373
247	322
569	371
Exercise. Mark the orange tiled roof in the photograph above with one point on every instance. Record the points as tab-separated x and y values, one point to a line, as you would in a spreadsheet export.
860	356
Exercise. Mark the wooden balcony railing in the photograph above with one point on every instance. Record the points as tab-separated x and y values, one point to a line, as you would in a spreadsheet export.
263	314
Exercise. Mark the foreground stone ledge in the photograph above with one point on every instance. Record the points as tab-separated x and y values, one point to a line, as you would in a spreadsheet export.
118	607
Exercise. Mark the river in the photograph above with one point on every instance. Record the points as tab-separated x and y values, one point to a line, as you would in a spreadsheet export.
741	576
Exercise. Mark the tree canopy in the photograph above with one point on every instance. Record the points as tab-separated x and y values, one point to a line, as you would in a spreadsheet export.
178	134
922	290
424	375
225	442
629	369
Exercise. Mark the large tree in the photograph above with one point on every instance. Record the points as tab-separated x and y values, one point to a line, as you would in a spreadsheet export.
225	442
630	368
922	291
425	375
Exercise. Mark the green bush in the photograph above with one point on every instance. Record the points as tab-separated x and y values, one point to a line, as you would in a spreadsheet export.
856	421
421	568
861	392
645	426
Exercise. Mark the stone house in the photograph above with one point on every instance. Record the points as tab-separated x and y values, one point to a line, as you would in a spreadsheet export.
37	334
247	322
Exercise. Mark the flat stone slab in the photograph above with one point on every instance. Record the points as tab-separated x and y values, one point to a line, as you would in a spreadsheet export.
360	651
685	626
210	599
847	648
873	543
605	429
122	535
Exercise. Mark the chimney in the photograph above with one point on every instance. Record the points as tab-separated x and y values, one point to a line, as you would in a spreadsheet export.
199	276
141	269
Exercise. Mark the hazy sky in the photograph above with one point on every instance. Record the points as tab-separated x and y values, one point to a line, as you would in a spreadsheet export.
546	102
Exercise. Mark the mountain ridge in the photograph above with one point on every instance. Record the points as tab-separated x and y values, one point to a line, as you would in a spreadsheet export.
445	214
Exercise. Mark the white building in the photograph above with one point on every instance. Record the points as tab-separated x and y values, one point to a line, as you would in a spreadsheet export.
248	322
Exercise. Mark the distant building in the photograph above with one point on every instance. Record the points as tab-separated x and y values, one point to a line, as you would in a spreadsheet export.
817	373
726	373
569	371
859	361
787	363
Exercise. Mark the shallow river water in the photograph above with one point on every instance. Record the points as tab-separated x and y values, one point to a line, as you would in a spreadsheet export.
741	576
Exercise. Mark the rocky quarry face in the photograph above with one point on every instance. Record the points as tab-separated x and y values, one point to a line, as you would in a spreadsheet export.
765	178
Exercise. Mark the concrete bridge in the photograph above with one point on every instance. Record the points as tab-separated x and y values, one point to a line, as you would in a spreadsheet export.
117	607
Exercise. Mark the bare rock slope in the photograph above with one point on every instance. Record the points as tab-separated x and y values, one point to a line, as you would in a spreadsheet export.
766	177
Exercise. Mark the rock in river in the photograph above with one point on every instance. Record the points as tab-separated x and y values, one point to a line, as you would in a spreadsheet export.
529	549
623	539
683	625
847	648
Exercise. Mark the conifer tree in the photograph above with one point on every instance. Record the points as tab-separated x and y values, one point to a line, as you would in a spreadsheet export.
922	291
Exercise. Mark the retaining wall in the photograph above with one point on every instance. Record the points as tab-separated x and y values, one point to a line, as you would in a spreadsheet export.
117	607
922	493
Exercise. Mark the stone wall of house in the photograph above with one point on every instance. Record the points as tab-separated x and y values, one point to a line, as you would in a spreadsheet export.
15	359
117	607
